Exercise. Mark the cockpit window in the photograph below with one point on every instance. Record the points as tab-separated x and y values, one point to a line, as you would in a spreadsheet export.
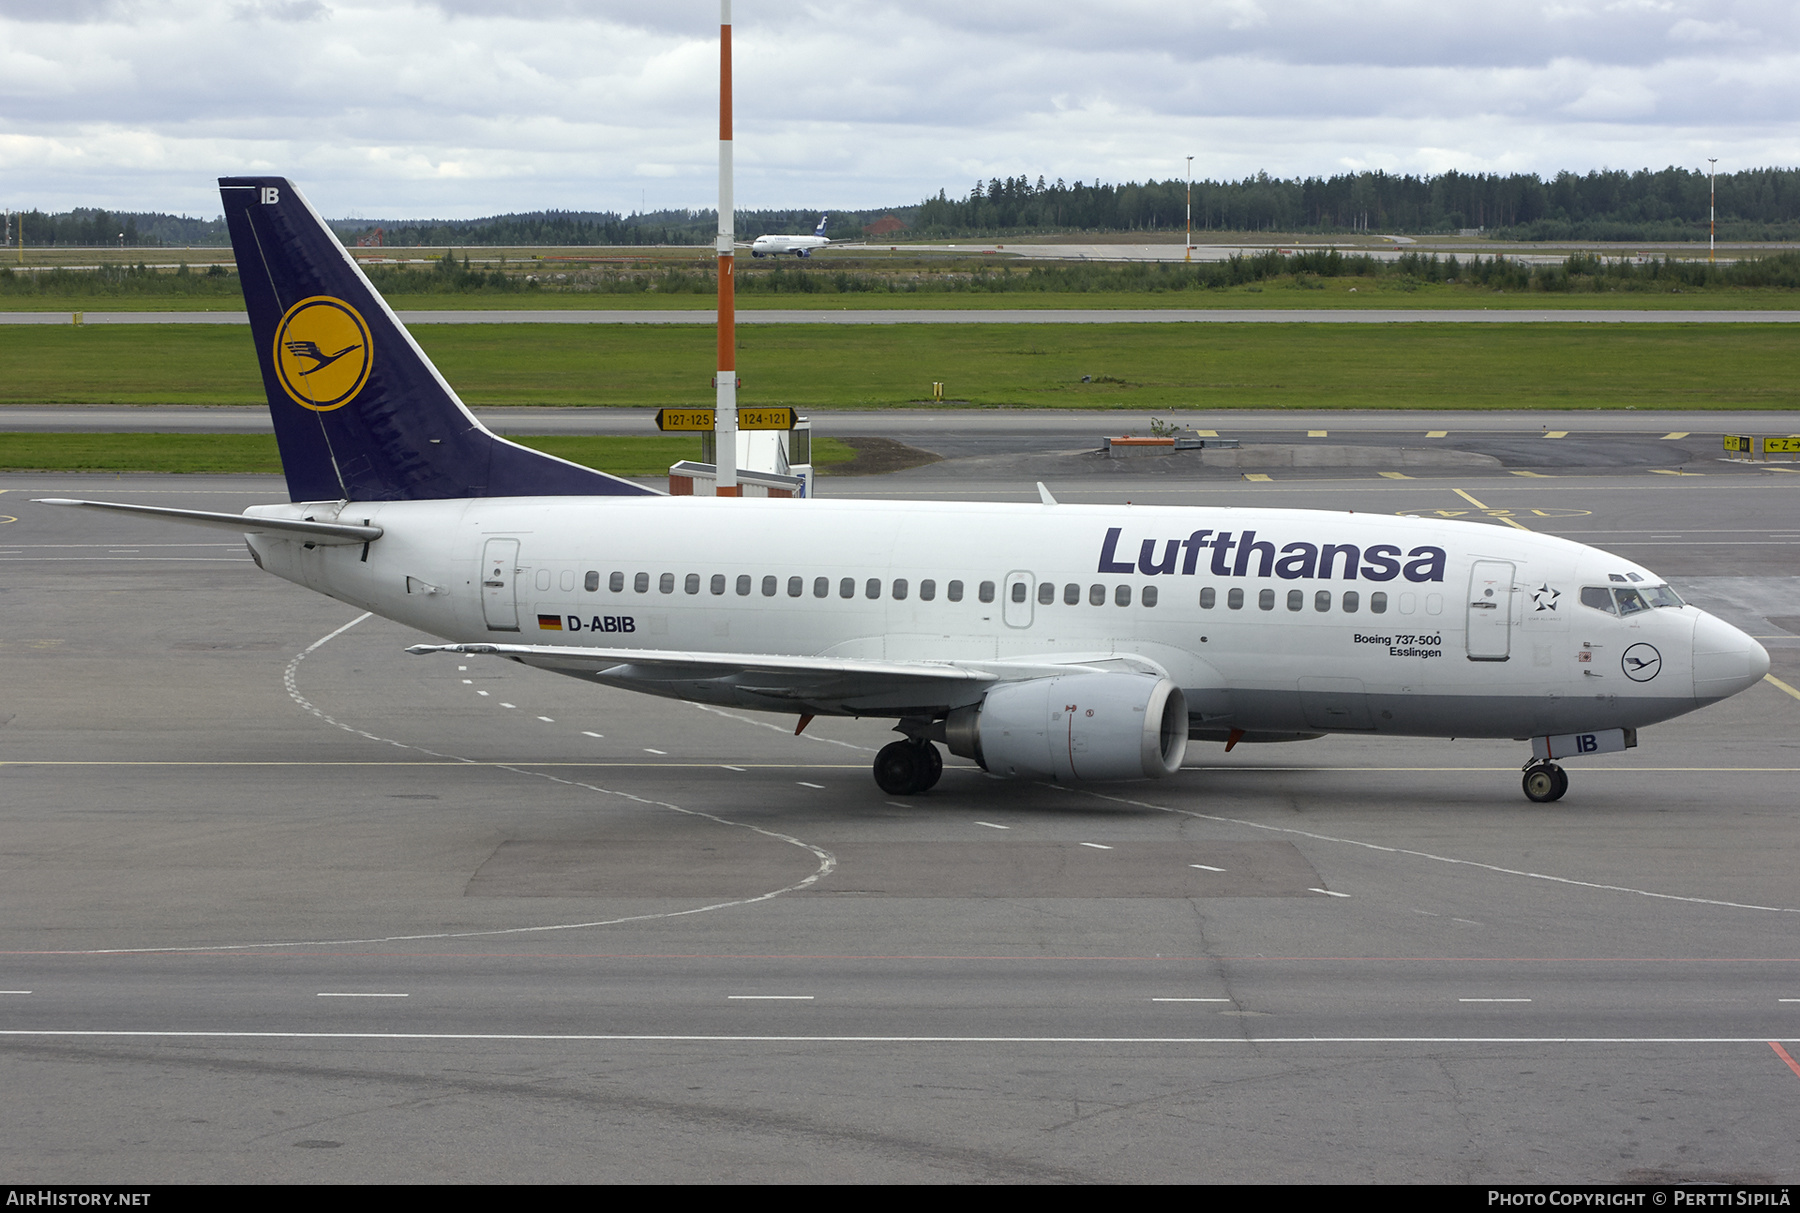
1628	600
1598	597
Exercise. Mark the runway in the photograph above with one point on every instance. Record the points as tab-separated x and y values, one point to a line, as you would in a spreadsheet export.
283	903
868	315
1057	443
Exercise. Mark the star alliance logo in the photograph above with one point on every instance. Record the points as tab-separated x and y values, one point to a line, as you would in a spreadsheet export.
322	353
1545	597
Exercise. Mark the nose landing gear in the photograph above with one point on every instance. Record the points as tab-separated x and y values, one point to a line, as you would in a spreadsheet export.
906	768
1545	782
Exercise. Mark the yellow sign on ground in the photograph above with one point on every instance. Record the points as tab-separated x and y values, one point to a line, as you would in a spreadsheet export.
1782	446
765	419
702	419
1737	442
684	419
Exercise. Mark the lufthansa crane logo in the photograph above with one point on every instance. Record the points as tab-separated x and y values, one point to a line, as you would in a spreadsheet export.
322	354
1642	662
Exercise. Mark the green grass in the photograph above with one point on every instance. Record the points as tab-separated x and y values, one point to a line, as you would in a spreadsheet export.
138	453
1279	293
1139	367
649	455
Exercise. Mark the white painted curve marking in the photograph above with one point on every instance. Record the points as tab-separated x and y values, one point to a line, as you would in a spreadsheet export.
1467	863
289	678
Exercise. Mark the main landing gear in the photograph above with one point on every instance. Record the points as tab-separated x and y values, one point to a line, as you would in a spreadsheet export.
906	768
1545	782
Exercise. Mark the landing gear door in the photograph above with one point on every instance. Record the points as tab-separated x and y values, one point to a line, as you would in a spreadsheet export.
1490	610
499	603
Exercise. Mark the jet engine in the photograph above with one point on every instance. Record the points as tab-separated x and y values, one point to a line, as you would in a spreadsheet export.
1075	727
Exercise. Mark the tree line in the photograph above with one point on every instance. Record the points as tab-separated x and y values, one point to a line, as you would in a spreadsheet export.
92	227
1610	205
1669	204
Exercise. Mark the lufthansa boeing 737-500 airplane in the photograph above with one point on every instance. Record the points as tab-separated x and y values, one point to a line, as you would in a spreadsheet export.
1042	641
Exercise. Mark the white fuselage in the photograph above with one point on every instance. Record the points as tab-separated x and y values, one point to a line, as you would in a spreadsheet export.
773	246
1419	627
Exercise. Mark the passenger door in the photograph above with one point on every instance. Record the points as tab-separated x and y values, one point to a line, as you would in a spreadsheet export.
1490	610
499	600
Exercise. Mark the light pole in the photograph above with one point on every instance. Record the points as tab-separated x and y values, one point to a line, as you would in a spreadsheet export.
725	482
1188	254
1712	205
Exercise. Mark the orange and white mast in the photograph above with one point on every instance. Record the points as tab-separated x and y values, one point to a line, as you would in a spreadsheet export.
725	410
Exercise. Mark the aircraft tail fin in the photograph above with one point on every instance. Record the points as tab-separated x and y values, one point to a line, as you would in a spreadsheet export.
820	230
360	412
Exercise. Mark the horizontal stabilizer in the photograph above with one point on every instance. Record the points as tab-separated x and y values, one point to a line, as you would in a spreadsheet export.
325	533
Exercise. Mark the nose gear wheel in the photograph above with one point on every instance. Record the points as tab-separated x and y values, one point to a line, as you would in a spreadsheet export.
1545	782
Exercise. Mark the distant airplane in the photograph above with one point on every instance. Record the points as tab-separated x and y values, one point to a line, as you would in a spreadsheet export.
1042	641
799	246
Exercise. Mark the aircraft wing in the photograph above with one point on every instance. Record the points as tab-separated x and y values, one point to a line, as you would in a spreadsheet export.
828	685
775	682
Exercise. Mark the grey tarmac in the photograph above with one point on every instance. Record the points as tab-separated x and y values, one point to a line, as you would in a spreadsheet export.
285	904
1056	443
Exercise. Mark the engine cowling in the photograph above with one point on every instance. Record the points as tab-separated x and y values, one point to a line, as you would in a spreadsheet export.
1075	727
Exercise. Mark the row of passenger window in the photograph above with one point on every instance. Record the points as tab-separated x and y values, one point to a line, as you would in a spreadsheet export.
796	586
1350	602
1096	594
899	588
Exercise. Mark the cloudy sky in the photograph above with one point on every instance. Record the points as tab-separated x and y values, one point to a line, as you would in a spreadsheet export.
455	108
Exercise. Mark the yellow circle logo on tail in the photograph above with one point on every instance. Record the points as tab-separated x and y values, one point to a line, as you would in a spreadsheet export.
322	353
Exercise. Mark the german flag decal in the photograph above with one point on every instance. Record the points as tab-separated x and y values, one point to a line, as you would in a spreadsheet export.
549	623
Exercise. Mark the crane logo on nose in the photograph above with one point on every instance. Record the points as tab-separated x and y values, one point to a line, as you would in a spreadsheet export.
1641	662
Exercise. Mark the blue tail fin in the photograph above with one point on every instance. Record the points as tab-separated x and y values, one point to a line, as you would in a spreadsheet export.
360	413
820	230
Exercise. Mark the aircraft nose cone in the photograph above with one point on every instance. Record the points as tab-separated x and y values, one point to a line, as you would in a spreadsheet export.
1726	660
